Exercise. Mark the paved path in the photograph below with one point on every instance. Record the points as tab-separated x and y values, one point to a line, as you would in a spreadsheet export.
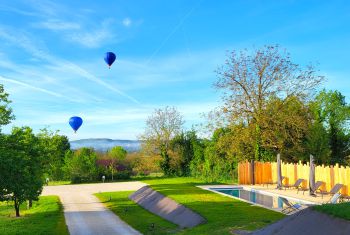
307	222
85	214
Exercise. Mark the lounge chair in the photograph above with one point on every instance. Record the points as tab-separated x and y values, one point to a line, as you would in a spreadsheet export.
335	198
290	206
333	191
296	185
318	184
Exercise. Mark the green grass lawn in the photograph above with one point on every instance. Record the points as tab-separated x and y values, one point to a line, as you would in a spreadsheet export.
341	210
135	215
45	217
223	214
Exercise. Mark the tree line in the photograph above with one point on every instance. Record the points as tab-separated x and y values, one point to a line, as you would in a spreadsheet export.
269	105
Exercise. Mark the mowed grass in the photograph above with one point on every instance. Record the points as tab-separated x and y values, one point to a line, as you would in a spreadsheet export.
135	215
45	217
340	210
223	214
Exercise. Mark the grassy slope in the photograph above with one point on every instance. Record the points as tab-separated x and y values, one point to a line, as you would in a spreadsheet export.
45	217
341	210
222	213
135	215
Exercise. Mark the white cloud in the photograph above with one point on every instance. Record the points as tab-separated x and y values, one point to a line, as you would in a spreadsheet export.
127	22
57	25
52	93
92	39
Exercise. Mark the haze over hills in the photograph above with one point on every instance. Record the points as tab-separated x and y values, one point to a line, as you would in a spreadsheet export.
103	145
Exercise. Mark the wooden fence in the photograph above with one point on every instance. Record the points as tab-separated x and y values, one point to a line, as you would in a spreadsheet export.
266	172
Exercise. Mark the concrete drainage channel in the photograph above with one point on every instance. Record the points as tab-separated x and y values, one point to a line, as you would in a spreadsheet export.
166	208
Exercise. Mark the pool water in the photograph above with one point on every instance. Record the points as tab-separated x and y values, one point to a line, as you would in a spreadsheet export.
274	202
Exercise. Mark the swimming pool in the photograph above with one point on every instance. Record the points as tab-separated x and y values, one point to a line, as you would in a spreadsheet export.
264	199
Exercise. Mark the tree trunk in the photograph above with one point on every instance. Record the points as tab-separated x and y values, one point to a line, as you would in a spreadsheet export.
17	208
30	204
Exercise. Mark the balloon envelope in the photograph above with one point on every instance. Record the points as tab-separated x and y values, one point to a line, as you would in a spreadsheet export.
75	123
110	58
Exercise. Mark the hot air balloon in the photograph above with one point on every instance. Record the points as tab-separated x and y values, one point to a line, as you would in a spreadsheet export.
75	123
110	58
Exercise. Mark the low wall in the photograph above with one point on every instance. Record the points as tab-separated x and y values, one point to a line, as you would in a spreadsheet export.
166	208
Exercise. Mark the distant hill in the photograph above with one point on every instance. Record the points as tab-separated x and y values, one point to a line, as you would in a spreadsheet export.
104	145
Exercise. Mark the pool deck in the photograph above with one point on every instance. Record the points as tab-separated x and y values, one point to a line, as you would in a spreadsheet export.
271	189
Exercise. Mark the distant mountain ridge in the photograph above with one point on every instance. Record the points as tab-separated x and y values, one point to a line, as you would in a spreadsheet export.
104	144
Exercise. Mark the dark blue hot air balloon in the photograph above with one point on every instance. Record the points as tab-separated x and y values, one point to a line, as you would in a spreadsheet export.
110	58
75	123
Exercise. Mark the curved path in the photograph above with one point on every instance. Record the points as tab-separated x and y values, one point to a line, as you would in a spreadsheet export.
85	214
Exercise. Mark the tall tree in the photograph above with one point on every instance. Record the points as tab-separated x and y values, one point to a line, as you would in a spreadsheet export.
249	80
54	148
161	127
331	109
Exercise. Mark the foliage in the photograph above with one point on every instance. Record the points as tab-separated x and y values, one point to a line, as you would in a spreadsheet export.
80	165
54	148
331	109
142	164
212	159
251	82
6	115
45	217
161	127
115	154
317	143
182	152
20	167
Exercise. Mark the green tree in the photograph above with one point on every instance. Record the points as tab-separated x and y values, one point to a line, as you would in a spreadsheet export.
54	148
21	175
183	146
117	153
80	165
331	109
249	80
317	143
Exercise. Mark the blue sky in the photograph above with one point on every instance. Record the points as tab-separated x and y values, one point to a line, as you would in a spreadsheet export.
51	56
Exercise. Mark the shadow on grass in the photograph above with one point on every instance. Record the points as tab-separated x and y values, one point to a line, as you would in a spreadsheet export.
46	217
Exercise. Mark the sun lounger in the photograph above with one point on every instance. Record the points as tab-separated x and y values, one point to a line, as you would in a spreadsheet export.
333	191
290	207
296	185
318	184
335	198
